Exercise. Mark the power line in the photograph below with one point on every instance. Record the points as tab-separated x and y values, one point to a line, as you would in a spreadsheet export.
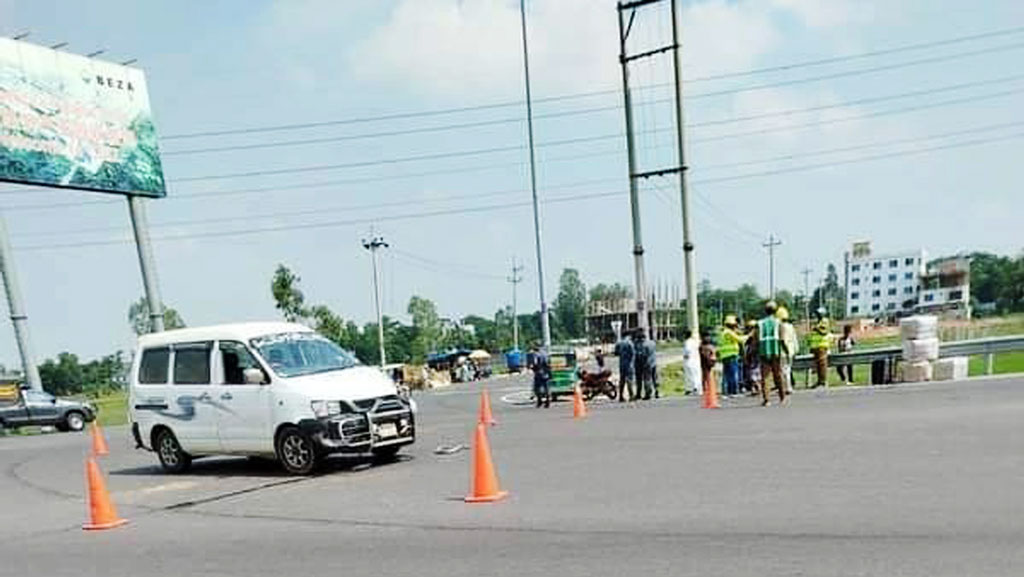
589	94
333	224
860	71
594	138
890	112
489	208
869	145
861	159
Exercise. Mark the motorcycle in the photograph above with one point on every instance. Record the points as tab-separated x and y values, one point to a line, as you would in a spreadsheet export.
594	384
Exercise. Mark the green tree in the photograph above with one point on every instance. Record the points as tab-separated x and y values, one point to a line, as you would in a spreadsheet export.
287	297
138	317
610	293
570	307
426	327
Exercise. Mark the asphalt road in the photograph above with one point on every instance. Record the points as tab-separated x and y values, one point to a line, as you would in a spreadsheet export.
909	481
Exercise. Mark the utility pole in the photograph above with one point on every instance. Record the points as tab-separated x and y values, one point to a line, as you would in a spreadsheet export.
807	297
545	324
680	169
770	245
634	198
515	279
17	307
684	195
373	245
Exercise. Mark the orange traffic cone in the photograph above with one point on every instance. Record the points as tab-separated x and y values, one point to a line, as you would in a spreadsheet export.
711	394
485	482
102	514
486	417
579	408
99	442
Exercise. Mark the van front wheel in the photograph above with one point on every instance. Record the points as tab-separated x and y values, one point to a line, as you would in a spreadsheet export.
296	451
172	457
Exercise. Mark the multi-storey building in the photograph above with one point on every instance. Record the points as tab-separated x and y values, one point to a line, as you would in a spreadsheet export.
880	285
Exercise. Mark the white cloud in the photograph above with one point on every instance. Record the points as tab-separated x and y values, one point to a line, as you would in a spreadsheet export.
828	13
471	49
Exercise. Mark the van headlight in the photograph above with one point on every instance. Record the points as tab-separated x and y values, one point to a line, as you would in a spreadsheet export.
324	409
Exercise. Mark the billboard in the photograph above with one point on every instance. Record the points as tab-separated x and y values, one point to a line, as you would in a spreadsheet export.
75	122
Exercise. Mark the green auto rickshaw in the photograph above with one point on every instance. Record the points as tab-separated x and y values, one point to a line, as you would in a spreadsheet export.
563	372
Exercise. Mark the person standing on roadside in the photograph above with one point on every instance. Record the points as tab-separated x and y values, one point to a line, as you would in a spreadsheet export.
691	364
625	351
651	356
751	360
769	340
541	366
819	341
643	377
730	343
708	358
790	348
846	344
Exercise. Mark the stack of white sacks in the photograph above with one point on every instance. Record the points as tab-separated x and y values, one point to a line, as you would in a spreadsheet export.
920	347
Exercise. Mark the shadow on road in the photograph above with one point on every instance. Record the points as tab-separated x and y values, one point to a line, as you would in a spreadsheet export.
262	467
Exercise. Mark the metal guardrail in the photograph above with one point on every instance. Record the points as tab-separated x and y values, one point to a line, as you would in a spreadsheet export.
974	347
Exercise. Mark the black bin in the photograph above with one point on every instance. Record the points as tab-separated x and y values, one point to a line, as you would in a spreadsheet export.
880	372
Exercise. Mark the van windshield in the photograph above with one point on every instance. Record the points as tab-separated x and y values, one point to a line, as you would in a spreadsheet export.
297	354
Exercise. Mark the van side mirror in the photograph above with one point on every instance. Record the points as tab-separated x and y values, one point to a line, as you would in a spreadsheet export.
254	376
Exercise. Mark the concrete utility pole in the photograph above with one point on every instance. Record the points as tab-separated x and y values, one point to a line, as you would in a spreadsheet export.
515	279
545	324
684	196
17	307
807	297
373	245
770	245
634	198
140	226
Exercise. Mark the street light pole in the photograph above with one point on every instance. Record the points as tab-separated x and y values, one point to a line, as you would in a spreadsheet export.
373	245
545	325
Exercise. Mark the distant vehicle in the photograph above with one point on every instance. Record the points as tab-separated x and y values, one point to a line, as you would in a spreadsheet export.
41	409
274	390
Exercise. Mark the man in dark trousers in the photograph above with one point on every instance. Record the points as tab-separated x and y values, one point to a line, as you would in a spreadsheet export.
641	364
540	364
625	351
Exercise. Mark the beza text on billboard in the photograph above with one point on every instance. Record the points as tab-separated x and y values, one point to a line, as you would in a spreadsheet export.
75	122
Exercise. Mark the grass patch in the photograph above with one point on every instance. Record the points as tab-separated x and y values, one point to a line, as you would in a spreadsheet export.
113	409
1004	363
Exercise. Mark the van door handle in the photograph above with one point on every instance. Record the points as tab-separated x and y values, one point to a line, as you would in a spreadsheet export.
226	396
204	397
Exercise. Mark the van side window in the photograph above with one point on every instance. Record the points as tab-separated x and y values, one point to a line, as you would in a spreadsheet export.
153	368
192	364
235	359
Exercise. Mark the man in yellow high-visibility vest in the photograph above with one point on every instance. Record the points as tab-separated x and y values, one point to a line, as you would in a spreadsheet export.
730	343
820	341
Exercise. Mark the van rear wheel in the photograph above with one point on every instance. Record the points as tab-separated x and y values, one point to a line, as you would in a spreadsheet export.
296	451
172	457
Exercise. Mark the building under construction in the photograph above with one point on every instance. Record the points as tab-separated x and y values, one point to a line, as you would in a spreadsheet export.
666	312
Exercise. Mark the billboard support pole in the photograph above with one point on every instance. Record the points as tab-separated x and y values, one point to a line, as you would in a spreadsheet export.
18	317
140	226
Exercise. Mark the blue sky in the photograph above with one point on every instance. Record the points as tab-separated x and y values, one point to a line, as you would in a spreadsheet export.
225	65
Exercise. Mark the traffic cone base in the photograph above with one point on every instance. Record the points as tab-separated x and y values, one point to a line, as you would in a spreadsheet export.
579	408
485	482
99	442
102	514
711	395
102	526
486	416
489	498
